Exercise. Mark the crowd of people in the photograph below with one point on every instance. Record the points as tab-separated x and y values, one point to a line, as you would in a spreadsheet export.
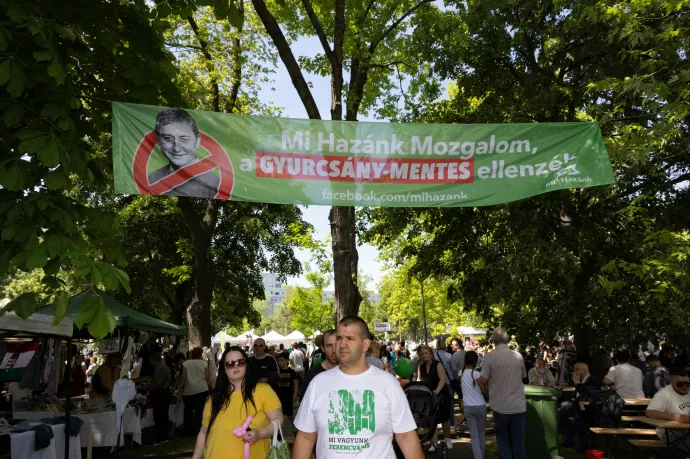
343	394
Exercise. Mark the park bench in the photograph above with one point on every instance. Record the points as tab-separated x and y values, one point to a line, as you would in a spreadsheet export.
650	444
616	433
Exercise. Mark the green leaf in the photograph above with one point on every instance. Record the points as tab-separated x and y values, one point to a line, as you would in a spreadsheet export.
51	281
28	208
92	303
56	71
221	8
16	84
109	276
8	232
61	303
81	271
96	275
54	180
94	313
5	38
12	177
102	323
52	267
13	115
43	56
63	124
34	144
236	15
24	305
5	71
50	153
66	32
37	259
123	278
5	256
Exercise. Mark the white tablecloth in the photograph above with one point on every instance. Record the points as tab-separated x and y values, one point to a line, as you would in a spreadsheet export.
23	445
103	427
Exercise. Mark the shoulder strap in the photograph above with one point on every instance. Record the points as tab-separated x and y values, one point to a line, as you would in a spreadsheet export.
276	429
443	365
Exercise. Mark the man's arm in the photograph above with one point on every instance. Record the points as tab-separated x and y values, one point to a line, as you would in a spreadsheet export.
409	445
610	378
304	445
654	414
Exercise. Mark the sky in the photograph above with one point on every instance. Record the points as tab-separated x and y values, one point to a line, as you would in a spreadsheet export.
283	94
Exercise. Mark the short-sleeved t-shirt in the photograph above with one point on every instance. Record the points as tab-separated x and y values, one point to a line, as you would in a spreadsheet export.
297	359
627	380
667	400
355	416
221	443
505	371
471	392
286	385
265	367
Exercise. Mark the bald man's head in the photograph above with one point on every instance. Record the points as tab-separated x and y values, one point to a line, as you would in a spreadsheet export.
581	371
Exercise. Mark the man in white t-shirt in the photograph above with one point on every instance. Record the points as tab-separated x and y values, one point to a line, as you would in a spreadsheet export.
354	410
672	403
625	378
297	360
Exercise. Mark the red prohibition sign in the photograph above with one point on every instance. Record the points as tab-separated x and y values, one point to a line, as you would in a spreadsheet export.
217	158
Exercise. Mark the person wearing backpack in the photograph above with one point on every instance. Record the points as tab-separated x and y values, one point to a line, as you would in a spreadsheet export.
626	379
656	376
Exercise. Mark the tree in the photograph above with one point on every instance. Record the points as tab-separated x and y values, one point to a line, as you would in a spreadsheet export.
568	261
308	310
215	272
60	65
369	41
402	300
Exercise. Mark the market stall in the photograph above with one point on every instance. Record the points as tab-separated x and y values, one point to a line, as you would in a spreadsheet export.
20	340
100	420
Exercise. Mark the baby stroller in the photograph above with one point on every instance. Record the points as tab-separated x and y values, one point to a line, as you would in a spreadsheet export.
424	406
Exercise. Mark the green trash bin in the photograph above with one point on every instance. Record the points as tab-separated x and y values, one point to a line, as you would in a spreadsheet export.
542	422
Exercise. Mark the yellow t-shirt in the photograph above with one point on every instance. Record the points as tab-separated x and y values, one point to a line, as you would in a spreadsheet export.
221	443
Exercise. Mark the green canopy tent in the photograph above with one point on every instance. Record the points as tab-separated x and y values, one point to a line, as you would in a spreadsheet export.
125	318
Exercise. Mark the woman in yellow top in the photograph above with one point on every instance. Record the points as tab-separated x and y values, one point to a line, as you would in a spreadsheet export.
237	395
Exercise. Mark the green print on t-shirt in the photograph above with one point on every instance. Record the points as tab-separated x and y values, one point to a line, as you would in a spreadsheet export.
347	416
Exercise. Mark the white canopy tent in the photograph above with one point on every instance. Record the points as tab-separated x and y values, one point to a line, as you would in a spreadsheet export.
36	324
242	337
472	332
295	336
222	338
273	337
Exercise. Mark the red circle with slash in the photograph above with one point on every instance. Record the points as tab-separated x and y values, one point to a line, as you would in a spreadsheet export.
217	158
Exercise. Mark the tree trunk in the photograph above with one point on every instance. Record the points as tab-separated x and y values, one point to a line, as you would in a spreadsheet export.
198	312
202	227
345	259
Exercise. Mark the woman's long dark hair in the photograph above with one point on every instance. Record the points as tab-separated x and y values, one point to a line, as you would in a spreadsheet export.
220	396
471	358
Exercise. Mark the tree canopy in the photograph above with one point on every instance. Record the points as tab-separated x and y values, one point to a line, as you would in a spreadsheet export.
608	264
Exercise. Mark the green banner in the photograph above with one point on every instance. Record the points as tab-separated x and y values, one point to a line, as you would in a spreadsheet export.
179	152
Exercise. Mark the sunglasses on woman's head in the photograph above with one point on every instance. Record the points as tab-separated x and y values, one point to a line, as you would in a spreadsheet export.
235	363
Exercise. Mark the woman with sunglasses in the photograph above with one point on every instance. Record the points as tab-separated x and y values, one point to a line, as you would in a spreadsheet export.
237	394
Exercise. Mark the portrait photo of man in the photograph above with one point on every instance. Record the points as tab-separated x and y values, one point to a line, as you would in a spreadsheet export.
179	140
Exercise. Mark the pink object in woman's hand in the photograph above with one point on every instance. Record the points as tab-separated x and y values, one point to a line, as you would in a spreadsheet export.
241	432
